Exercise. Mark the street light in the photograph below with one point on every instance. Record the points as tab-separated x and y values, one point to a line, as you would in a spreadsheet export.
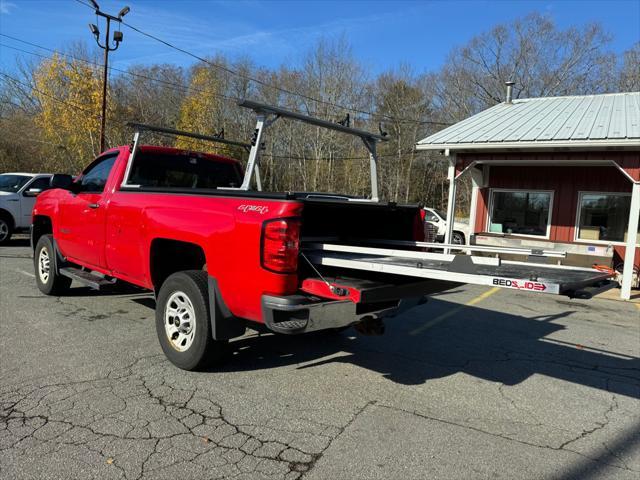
94	29
117	38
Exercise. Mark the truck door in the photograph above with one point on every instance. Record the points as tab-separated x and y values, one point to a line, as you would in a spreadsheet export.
28	200
81	235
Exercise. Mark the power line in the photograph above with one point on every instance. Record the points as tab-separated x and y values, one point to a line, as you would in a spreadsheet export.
286	157
69	104
176	86
268	85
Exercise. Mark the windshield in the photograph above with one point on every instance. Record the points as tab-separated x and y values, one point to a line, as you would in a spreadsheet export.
12	183
442	214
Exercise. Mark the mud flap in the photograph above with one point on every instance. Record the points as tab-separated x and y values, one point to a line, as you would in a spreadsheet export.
224	325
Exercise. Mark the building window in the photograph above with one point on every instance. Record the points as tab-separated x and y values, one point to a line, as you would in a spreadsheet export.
603	217
520	212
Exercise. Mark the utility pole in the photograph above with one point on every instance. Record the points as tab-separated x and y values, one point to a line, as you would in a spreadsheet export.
117	38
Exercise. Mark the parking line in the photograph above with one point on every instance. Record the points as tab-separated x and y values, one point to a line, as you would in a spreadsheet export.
26	273
454	311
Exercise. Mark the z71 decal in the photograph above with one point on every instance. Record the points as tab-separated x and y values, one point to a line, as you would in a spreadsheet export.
520	284
261	209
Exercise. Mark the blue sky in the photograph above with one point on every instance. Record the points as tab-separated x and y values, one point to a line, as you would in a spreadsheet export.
383	34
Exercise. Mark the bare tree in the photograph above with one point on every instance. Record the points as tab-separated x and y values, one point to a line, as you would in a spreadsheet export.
629	75
542	59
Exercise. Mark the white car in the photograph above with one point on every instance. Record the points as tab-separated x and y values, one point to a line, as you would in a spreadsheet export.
18	192
439	220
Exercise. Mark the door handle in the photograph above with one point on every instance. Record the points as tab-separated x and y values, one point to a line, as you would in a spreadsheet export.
94	205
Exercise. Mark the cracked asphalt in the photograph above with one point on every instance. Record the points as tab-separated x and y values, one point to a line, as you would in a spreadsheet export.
514	385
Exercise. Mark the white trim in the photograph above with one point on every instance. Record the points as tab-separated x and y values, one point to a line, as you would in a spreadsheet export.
586	144
451	201
390	252
473	248
127	170
632	238
576	226
622	170
516	190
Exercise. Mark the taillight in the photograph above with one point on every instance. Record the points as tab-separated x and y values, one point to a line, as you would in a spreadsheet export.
280	244
419	227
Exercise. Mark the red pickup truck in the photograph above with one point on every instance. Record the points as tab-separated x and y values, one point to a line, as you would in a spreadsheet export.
221	256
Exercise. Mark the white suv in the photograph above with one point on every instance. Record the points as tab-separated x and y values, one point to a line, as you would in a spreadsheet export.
18	192
439	220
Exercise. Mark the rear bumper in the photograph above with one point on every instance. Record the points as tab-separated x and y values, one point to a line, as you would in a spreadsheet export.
296	314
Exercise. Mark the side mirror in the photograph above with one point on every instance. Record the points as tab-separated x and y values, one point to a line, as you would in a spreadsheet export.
33	192
61	180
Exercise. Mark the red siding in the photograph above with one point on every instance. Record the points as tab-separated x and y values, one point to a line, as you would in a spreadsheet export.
566	183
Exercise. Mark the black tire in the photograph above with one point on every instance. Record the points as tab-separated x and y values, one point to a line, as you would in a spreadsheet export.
53	283
201	350
6	230
458	238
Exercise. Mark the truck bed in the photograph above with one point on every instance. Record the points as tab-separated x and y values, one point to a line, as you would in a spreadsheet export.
529	276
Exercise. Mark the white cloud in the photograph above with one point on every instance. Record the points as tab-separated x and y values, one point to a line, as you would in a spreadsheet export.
235	36
5	7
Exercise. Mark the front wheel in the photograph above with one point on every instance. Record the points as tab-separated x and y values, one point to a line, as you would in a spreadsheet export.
183	321
457	238
49	281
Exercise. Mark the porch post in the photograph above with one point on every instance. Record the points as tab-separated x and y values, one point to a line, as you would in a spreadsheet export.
632	241
451	202
477	181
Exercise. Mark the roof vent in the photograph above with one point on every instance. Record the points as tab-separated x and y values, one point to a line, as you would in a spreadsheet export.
509	85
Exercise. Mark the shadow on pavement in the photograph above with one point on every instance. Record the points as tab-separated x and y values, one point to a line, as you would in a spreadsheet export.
17	241
495	346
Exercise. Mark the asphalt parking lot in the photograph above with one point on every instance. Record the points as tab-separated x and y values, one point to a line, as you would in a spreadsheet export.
477	383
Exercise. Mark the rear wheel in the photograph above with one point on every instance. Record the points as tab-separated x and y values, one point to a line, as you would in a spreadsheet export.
49	281
6	230
183	321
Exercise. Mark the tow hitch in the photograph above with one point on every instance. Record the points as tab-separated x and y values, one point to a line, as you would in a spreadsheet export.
370	326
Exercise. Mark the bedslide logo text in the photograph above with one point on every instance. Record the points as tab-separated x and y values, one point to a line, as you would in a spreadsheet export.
520	284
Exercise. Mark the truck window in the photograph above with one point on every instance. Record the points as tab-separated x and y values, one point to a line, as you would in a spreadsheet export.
41	183
95	177
183	170
12	183
430	217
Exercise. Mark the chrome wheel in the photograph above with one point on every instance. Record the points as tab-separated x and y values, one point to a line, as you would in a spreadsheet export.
4	230
44	265
180	321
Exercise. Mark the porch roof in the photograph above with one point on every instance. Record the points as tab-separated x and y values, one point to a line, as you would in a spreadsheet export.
589	122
